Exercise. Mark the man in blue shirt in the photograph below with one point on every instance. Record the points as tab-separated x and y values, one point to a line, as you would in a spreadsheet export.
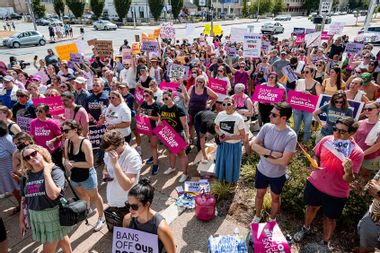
8	92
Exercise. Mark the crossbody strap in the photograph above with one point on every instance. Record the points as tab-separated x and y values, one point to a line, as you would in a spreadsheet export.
71	187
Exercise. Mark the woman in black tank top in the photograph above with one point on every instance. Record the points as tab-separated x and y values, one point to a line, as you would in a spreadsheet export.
142	217
6	115
80	161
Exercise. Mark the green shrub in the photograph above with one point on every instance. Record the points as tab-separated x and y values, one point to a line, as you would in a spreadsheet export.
356	206
221	190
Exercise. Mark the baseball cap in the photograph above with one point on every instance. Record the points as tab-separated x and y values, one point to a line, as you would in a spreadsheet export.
8	79
283	52
80	79
35	78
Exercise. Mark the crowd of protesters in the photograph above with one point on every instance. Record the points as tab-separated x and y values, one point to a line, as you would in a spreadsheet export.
101	91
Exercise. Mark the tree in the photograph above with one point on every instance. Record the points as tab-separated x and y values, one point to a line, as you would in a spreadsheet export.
38	8
278	6
59	7
311	5
76	7
97	7
177	6
156	7
122	7
265	6
244	11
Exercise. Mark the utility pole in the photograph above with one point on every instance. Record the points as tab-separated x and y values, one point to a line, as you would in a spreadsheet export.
212	21
368	19
258	10
30	9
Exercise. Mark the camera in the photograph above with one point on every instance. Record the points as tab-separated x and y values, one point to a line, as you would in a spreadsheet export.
23	64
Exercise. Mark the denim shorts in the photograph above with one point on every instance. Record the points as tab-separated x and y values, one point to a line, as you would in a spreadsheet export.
90	183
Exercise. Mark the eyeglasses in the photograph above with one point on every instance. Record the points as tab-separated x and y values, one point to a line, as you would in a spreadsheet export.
319	65
134	207
146	95
28	157
65	130
366	57
369	109
21	96
338	101
306	72
227	104
274	115
194	72
112	98
339	130
40	111
166	99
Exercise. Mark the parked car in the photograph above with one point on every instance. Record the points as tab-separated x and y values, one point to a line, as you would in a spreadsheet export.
369	37
24	39
372	29
312	15
42	22
104	25
55	22
283	18
15	16
272	28
319	18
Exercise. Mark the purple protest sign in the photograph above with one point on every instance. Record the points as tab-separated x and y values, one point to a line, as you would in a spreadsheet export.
171	139
143	125
267	237
55	104
265	94
131	240
76	58
302	101
139	95
218	86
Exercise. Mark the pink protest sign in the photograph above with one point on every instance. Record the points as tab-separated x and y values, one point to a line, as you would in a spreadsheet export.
300	38
143	125
267	237
55	104
171	139
265	94
218	86
325	35
139	95
302	101
170	85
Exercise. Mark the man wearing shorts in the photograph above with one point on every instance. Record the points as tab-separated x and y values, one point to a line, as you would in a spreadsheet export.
339	158
276	144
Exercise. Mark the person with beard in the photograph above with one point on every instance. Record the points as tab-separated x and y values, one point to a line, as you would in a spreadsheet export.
97	101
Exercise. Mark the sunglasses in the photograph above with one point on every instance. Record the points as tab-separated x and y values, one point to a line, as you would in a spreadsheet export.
339	102
366	57
341	131
319	65
274	115
40	111
368	109
65	130
194	72
227	104
166	99
28	157
306	72
134	207
112	98
146	95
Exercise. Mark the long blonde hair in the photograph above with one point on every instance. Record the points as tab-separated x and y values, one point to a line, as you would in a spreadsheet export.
25	166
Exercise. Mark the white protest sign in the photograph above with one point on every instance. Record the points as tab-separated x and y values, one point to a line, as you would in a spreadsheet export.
189	31
250	28
178	72
313	39
336	28
252	45
265	46
354	48
288	72
167	31
126	56
238	34
131	240
197	186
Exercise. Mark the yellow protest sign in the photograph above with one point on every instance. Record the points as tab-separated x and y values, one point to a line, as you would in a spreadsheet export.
135	48
216	28
147	37
64	51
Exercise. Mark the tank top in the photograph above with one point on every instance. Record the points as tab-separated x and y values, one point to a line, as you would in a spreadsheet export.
197	103
312	90
10	130
77	174
150	227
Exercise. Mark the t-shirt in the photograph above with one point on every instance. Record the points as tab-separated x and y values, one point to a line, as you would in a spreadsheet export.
130	100
34	189
172	116
118	114
151	110
43	131
332	115
145	83
329	178
130	162
26	110
128	76
279	141
205	118
81	116
361	135
96	103
81	97
334	49
230	124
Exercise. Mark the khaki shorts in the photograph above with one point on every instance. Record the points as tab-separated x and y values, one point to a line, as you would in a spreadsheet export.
372	164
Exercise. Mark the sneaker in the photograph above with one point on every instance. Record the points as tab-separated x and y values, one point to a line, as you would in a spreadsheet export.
300	235
256	220
183	178
326	245
168	171
150	160
155	169
138	149
99	224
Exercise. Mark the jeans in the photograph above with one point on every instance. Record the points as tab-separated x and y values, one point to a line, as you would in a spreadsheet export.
307	118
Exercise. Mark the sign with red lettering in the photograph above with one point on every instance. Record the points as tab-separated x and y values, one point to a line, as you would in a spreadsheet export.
252	45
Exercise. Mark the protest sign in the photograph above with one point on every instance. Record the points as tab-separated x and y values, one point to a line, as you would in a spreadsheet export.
300	39
238	34
197	186
126	54
290	75
231	51
171	139
298	30
178	72
250	28
95	135
252	45
265	94
156	33
130	240
169	85
265	46
217	29
139	95
302	101
24	123
309	30
218	86
325	35
136	48
91	42
190	29
55	104
64	51
143	125
150	46
104	47
76	58
167	31
268	237
355	106
81	45
313	39
336	28
354	48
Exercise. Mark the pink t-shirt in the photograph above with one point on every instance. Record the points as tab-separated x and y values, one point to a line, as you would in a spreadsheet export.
361	135
329	179
81	117
43	131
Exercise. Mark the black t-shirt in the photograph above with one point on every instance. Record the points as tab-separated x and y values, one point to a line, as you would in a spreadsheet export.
151	110
96	103
172	116
145	84
27	110
335	50
204	119
34	189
